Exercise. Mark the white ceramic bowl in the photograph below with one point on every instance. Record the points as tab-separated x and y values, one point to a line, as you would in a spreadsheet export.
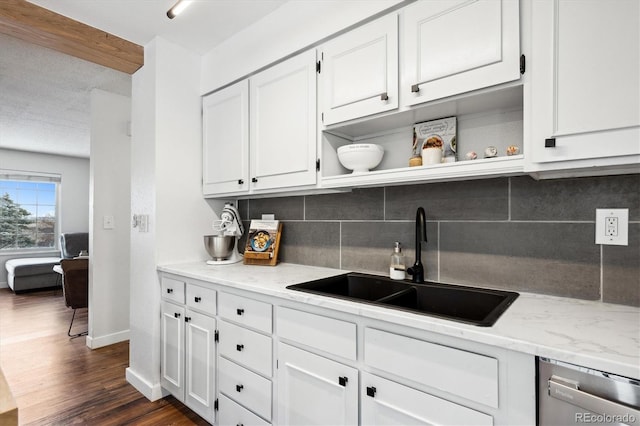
360	157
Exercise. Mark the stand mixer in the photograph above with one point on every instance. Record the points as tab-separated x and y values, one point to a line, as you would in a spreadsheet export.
222	244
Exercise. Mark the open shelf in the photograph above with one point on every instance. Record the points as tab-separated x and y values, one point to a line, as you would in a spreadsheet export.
486	118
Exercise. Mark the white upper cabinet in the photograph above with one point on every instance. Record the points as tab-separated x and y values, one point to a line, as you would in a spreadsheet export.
225	118
452	47
585	84
283	124
359	72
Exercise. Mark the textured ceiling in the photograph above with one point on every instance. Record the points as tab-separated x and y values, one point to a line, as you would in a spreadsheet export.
45	95
45	98
203	25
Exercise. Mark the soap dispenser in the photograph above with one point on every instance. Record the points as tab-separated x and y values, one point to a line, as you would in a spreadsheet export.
396	267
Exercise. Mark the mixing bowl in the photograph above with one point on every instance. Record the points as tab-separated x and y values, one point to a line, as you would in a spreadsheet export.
219	247
360	157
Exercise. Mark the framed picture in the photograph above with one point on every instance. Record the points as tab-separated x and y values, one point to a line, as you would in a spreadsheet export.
437	134
263	242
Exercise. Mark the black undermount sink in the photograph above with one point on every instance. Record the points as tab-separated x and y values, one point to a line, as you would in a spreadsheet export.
471	305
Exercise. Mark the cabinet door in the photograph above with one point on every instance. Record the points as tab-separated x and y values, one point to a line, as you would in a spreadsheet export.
388	403
586	82
172	346
200	363
283	124
359	72
313	390
456	46
225	133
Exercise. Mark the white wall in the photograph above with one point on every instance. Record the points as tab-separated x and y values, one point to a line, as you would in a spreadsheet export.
110	172
74	193
166	176
166	184
292	27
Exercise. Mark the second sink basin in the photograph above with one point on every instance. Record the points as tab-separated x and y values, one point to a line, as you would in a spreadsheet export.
478	306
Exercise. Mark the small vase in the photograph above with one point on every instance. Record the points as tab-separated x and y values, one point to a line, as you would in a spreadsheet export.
431	156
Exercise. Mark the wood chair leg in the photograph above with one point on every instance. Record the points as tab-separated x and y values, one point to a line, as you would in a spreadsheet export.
73	336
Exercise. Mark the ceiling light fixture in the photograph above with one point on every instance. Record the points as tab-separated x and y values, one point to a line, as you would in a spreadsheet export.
178	8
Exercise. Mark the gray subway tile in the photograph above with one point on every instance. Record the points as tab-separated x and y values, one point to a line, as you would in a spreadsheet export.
549	258
359	204
367	246
285	208
311	243
573	199
486	199
621	270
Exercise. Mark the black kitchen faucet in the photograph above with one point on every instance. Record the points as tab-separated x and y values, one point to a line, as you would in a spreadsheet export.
417	271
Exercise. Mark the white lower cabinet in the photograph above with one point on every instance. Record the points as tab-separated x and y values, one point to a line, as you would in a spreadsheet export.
245	361
313	390
172	350
289	363
234	414
188	357
385	402
188	354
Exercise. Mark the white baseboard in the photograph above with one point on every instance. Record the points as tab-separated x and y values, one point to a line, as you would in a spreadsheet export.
109	339
4	284
152	392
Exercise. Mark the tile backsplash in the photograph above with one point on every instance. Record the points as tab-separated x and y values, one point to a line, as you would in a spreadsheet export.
511	233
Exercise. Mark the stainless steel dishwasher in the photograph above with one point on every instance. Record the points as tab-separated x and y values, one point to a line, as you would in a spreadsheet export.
573	395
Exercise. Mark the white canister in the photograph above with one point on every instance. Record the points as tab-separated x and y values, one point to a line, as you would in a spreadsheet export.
431	156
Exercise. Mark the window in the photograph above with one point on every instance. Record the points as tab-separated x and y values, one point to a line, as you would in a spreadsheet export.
28	211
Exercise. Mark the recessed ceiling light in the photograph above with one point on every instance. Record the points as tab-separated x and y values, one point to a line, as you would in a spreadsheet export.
178	8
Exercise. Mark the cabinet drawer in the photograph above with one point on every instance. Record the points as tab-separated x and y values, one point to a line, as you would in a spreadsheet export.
246	347
328	334
246	388
402	405
201	298
247	312
456	371
231	413
172	290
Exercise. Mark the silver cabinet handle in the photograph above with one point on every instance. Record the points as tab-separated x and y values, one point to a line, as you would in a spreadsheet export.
384	97
563	390
415	88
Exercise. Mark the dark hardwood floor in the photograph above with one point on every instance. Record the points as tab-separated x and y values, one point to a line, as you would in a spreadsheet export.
59	381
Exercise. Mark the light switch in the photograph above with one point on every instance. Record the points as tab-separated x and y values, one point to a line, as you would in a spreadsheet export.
108	222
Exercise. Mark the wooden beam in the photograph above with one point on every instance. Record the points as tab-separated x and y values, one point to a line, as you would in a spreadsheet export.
37	25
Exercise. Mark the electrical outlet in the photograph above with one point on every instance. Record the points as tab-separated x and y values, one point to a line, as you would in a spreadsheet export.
612	226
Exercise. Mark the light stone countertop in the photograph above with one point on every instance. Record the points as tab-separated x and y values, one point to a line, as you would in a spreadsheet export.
597	335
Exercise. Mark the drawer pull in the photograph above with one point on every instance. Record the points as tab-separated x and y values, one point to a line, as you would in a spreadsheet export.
384	97
239	424
169	290
239	348
240	311
240	182
197	299
187	319
343	380
239	388
371	391
550	143
415	88
176	315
